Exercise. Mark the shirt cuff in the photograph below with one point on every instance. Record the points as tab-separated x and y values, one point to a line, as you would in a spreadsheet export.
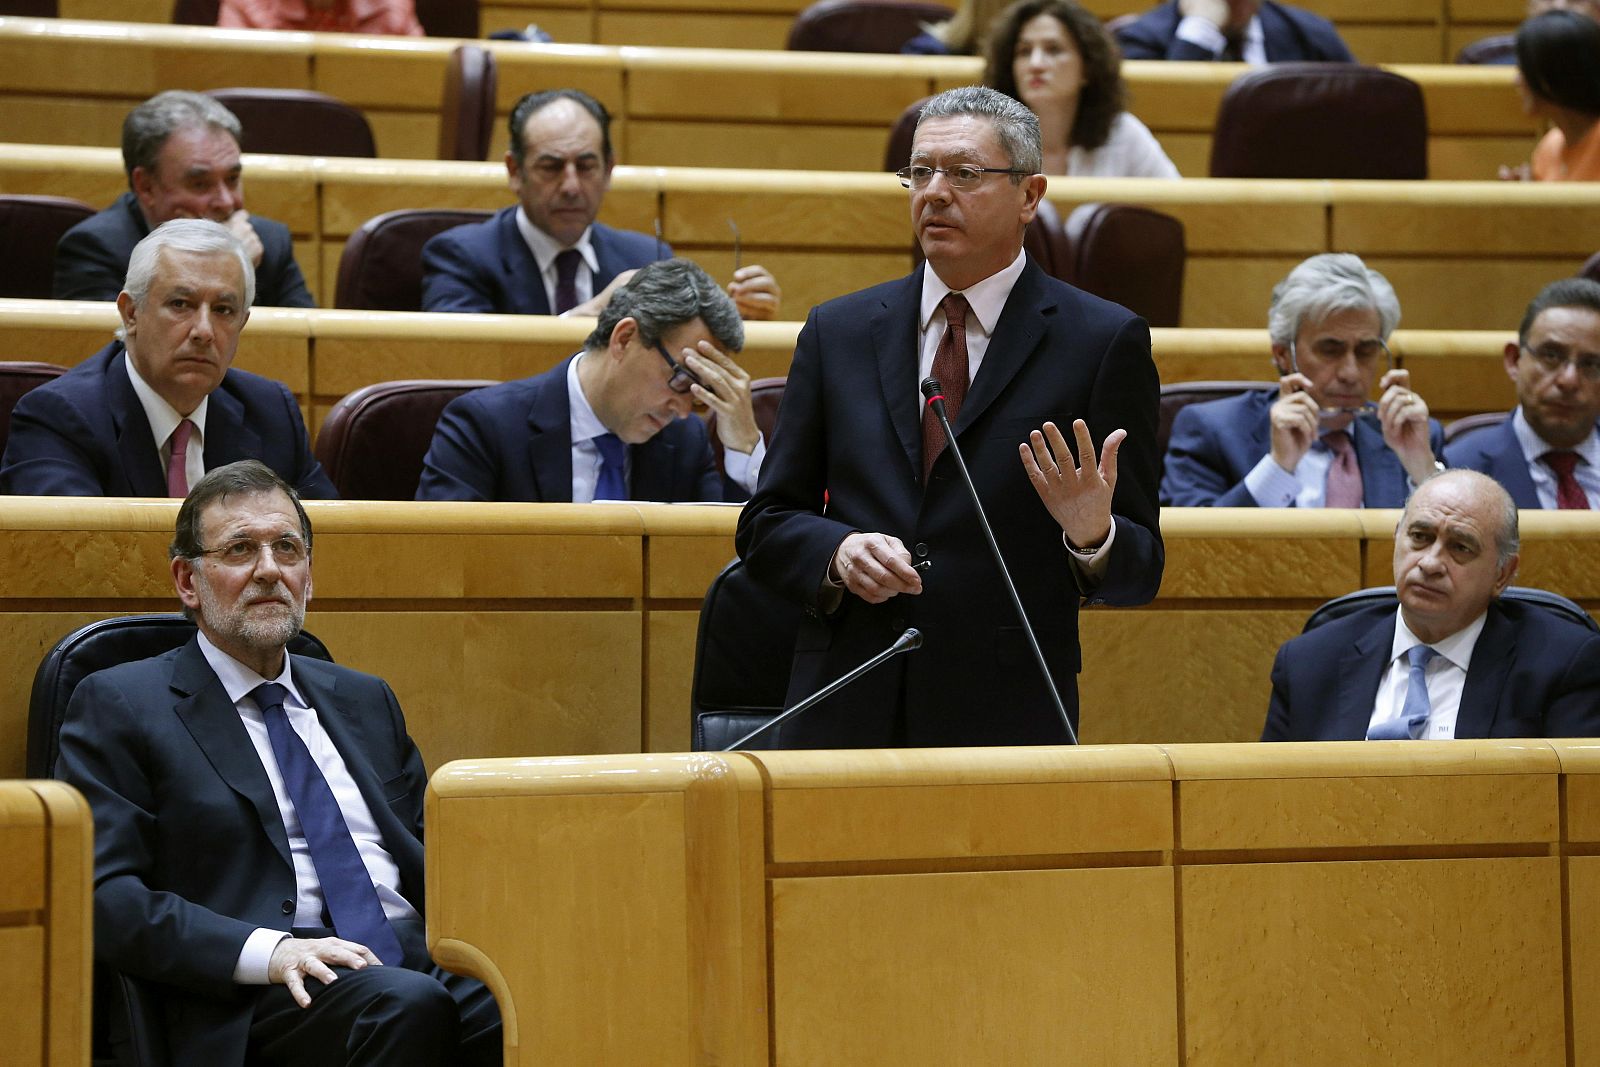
745	467
1202	34
1092	567
1270	486
254	957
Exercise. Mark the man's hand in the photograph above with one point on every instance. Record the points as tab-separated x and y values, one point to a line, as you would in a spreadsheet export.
239	225
1078	498
1404	417
1294	418
755	293
296	959
1215	12
597	303
874	567
726	390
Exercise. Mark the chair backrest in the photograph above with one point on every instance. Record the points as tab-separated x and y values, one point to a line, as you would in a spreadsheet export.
1591	268
1321	120
195	12
466	114
861	25
1175	396
17	379
373	441
32	226
298	122
1468	425
1554	603
1499	49
1133	256
380	268
448	18
36	9
742	656
765	396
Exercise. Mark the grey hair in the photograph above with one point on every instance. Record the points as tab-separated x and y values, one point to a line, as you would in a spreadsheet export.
148	126
1325	285
185	235
665	295
1016	127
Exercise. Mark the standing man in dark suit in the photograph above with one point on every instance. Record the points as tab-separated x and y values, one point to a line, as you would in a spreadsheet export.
149	414
1454	661
1318	441
1238	31
859	493
614	422
547	255
258	819
181	152
1547	453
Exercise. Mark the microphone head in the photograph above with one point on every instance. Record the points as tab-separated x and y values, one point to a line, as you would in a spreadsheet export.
911	639
931	388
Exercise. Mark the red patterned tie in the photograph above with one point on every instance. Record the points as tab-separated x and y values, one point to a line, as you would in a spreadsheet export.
950	367
1569	494
177	469
1344	476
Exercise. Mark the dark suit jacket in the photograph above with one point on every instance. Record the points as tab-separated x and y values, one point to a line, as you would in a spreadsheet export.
487	266
1532	675
1290	34
514	442
92	258
1216	443
847	455
1495	452
86	434
191	854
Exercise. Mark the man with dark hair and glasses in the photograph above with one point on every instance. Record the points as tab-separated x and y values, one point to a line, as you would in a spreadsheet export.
1319	440
258	819
613	422
546	254
1547	454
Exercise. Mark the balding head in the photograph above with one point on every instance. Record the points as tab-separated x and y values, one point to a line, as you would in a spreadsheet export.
1455	549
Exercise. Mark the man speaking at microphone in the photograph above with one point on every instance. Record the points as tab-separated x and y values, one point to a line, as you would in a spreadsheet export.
861	514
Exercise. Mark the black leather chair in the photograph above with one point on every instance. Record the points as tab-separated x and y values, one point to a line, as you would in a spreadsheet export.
373	441
861	25
32	226
1133	256
1175	396
380	268
298	122
1555	603
1321	120
17	379
765	396
742	655
1468	425
466	114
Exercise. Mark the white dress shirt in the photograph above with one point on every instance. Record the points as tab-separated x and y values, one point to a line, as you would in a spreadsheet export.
1270	486
1204	34
164	418
545	249
1446	675
1587	472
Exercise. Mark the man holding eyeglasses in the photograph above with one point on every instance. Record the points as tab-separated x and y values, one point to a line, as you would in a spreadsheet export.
613	422
862	517
258	819
1547	454
1318	440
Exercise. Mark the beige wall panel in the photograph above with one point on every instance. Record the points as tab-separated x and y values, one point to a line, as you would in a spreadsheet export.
904	969
1476	158
780	7
1559	554
284	188
1394	44
30	635
1196	354
1233	292
566	25
93	175
405	135
660	142
1431	290
836	211
683	567
1468	219
688	29
23	832
1583	913
394	74
1484	10
1431	961
117	10
22	1024
1189	152
345	363
1458	372
1583	806
92	564
1458	37
669	679
808	278
1173	96
57	120
452	565
1474	100
1213	683
83	60
597	71
1306	566
1226	215
854	90
1363	11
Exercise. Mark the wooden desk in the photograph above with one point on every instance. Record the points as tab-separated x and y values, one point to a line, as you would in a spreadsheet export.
1193	904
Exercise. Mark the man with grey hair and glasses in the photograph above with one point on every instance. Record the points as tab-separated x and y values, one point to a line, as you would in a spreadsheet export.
150	413
1319	440
615	421
862	518
181	154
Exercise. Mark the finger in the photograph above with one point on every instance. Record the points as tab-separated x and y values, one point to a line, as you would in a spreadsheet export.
1398	376
709	352
315	968
714	401
296	988
1031	465
1290	384
1108	456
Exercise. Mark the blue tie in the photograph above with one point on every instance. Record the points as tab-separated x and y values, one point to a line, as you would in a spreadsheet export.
1413	717
612	483
346	886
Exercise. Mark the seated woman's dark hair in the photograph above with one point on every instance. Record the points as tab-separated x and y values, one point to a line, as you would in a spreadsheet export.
1558	54
1103	96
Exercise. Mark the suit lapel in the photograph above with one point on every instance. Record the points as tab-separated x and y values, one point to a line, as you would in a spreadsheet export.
519	270
550	439
1486	675
136	443
1016	335
1509	467
1382	477
227	437
1361	668
894	345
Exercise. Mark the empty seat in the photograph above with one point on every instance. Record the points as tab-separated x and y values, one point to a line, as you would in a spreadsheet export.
742	655
1130	255
32	225
380	268
15	380
373	441
466	114
861	25
1321	120
298	122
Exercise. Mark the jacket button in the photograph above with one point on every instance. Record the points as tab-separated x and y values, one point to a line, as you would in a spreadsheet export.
287	907
921	550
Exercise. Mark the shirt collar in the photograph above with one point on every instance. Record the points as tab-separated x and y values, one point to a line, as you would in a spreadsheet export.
1457	648
585	424
240	681
1534	446
986	299
162	416
545	249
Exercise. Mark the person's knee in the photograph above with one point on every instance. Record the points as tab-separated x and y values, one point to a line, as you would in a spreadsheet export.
410	1009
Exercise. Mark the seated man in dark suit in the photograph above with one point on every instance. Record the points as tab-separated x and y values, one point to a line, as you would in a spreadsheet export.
1455	661
1547	454
613	422
181	152
149	414
258	819
1318	441
547	255
1240	31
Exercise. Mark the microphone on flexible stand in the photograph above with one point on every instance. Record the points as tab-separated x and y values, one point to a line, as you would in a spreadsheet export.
907	641
934	394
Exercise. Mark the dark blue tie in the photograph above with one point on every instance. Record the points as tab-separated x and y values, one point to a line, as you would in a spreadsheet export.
1413	717
346	886
613	481
567	280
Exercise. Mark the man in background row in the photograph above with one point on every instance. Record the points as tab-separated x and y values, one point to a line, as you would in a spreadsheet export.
1237	31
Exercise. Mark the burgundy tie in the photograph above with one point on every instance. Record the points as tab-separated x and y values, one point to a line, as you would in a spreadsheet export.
177	474
567	280
950	367
1344	475
1569	494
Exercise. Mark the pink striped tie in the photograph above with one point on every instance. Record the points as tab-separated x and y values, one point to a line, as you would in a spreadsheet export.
177	476
1344	489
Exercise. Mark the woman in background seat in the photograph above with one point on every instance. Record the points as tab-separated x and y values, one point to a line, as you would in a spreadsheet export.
1558	73
346	16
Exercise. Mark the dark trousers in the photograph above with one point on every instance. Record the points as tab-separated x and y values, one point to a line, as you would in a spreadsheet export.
414	1014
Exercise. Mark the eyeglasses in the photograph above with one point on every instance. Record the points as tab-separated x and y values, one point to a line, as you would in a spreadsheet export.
287	551
1553	358
682	377
960	176
1367	350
